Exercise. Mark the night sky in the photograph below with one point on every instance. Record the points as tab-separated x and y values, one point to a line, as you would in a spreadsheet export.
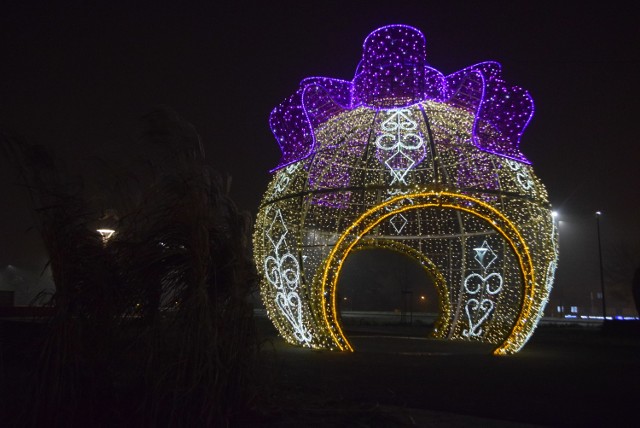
75	76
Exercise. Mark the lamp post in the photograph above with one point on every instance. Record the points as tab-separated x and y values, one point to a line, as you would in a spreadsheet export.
604	306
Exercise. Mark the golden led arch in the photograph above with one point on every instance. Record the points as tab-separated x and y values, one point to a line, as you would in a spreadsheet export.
403	155
434	200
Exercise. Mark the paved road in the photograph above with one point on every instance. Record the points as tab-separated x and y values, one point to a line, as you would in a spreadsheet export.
564	377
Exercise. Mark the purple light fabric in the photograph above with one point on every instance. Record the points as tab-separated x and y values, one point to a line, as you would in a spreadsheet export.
394	73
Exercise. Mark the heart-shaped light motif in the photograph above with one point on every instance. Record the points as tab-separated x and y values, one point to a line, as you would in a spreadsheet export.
291	307
474	307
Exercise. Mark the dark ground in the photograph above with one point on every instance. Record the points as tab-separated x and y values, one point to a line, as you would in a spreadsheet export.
565	376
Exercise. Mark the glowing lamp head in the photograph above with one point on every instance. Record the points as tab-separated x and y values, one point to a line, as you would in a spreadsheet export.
106	234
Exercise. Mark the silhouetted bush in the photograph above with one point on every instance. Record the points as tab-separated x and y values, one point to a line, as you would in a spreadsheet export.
152	327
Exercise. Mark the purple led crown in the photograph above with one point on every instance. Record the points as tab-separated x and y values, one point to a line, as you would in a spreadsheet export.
393	73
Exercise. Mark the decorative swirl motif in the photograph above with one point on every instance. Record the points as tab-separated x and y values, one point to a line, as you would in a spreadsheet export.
475	283
284	179
397	122
480	281
398	148
522	175
282	271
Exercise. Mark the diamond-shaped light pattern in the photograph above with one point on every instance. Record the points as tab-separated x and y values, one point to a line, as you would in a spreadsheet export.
398	222
485	256
399	165
277	230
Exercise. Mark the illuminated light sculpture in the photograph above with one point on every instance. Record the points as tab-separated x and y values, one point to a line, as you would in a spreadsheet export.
405	158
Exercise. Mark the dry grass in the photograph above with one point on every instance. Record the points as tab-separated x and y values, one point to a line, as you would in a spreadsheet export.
153	328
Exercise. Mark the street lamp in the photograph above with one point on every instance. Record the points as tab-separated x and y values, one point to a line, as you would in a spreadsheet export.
604	306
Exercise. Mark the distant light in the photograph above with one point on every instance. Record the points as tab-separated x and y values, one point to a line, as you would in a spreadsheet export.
106	234
554	214
422	297
598	213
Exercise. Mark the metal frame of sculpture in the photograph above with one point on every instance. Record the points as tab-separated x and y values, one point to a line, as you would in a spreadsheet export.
403	157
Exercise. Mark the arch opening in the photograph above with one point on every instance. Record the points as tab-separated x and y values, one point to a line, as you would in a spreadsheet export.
388	286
